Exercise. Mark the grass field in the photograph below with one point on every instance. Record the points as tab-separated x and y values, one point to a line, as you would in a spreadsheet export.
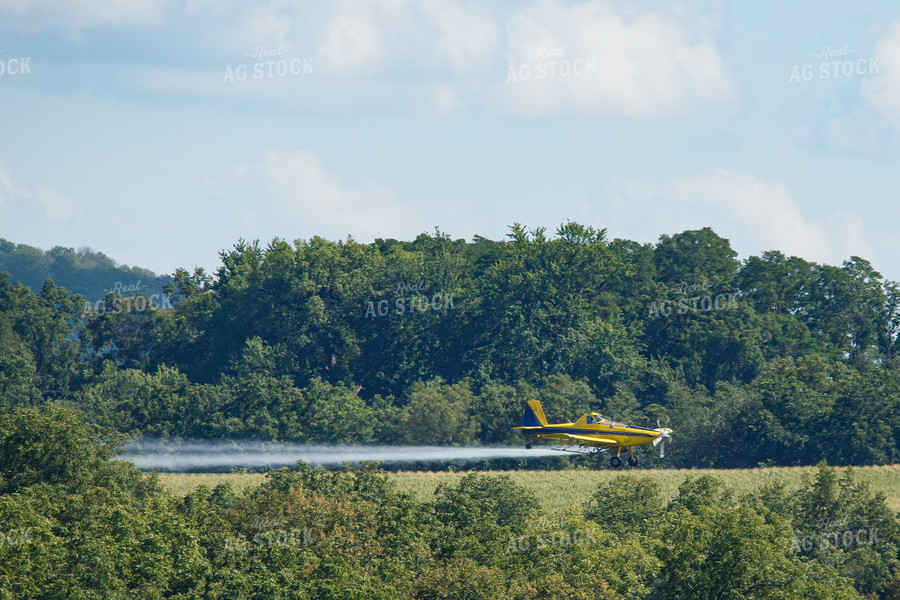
571	488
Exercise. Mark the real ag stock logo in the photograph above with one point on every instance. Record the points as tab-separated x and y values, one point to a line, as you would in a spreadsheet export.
561	536
272	534
549	63
703	302
15	537
842	65
557	539
836	535
268	64
417	302
136	302
20	65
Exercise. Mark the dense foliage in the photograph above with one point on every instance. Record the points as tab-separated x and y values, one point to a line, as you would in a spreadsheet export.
773	360
77	526
91	274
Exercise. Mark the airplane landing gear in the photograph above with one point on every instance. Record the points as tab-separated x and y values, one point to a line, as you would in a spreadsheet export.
616	461
528	446
632	461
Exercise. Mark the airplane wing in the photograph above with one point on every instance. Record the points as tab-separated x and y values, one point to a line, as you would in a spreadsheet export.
592	440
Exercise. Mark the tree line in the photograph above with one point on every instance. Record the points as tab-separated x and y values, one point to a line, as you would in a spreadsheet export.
75	523
91	274
769	360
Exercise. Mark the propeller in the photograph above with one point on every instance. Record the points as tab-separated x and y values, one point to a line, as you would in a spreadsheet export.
664	434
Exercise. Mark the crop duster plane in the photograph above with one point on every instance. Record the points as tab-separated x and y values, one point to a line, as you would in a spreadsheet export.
592	433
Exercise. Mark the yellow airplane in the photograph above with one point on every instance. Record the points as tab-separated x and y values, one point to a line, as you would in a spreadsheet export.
592	433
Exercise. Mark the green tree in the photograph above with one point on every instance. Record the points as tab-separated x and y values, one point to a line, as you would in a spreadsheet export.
163	404
696	258
44	323
564	399
497	409
478	515
461	578
776	284
563	554
842	524
626	503
721	551
438	414
50	444
531	300
867	412
336	415
798	399
17	370
851	311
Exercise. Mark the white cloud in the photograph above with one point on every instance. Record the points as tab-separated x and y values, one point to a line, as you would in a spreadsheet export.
401	38
465	38
446	99
858	132
438	56
396	55
12	193
6	185
639	65
266	27
54	203
352	45
292	194
68	14
883	91
753	214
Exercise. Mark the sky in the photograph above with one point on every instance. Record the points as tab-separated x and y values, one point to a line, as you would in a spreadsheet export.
161	132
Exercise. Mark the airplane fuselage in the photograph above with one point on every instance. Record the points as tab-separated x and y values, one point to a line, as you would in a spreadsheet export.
591	433
618	434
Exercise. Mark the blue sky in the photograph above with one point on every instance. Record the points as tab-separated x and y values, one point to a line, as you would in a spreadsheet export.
133	132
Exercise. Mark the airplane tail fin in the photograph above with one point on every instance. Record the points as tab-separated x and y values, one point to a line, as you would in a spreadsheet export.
534	415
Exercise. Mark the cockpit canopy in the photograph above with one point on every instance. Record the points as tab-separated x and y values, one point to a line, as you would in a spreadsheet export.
598	419
595	419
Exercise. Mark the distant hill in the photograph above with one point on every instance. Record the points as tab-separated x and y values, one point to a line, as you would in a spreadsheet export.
91	274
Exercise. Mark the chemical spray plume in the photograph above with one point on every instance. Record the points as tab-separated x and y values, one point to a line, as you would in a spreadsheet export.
201	455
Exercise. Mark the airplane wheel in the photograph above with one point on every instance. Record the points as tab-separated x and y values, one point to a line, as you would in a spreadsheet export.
616	462
632	462
528	446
